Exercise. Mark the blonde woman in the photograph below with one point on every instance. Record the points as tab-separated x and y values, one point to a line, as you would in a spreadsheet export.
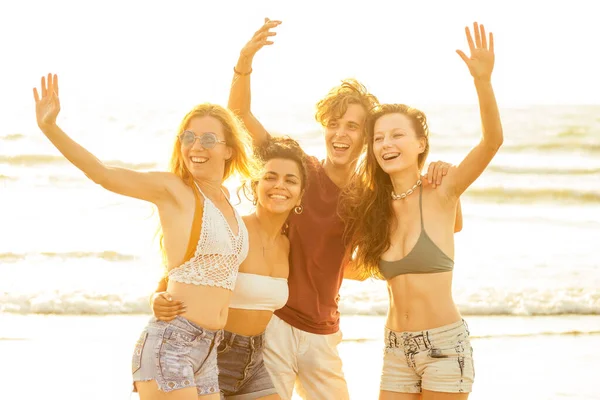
177	360
262	285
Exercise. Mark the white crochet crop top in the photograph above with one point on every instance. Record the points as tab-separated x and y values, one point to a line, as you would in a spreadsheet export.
219	252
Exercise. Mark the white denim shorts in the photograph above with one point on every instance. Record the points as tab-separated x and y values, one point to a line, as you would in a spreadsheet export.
439	360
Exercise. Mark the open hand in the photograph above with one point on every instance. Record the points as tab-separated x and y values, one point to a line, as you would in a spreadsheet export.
261	38
481	61
48	106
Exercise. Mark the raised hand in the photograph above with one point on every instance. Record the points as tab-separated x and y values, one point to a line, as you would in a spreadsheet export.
48	106
261	38
481	61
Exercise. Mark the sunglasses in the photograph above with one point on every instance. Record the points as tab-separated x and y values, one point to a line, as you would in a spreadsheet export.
208	140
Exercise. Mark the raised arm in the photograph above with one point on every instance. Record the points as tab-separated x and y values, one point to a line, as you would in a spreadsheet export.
240	93
435	175
458	221
480	64
155	187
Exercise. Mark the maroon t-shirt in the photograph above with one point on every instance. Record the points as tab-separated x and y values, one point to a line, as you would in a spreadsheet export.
316	257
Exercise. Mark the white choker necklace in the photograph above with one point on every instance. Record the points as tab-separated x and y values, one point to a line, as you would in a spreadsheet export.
407	193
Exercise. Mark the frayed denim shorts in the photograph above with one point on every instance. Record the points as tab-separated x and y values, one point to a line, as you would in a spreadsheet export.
177	355
439	360
242	371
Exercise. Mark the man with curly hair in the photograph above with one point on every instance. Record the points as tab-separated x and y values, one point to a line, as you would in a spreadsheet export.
302	337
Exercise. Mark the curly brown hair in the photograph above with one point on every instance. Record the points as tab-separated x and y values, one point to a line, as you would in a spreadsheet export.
365	205
276	147
335	104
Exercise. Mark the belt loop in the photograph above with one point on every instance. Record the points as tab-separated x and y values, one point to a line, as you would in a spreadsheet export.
392	339
466	327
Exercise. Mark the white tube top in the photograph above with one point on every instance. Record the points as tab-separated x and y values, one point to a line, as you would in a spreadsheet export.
259	292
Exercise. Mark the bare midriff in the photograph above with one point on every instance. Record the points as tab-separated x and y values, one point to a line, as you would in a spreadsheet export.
421	301
248	322
207	306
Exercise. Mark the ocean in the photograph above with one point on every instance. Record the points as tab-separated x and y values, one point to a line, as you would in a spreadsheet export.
528	246
78	263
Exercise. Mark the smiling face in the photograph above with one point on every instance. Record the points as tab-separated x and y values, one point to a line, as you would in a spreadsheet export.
203	163
344	137
396	144
280	187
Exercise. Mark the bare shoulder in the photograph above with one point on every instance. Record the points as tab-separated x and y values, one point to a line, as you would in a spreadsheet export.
248	219
178	189
285	248
441	193
226	191
285	244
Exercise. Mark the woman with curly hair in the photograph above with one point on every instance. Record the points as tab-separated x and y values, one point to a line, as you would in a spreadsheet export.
262	283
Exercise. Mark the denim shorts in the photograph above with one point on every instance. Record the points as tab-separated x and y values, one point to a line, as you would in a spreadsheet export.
177	355
242	372
439	360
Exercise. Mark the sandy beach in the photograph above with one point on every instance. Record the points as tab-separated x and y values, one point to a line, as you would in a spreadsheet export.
77	263
88	357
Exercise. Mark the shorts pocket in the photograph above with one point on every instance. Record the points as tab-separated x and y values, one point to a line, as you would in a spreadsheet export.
334	339
460	348
223	348
136	360
175	355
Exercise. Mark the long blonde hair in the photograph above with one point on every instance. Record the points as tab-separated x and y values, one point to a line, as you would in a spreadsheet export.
238	139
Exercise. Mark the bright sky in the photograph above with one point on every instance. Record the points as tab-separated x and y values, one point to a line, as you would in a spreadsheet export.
181	52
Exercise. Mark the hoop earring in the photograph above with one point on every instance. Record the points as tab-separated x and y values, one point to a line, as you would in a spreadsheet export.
298	209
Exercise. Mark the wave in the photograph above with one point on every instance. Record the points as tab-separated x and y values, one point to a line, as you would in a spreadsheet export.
105	255
372	300
12	136
501	194
484	302
548	333
552	147
504	169
74	303
30	160
500	335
